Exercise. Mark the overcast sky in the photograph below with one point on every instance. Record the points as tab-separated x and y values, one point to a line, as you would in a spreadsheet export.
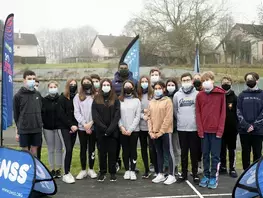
106	16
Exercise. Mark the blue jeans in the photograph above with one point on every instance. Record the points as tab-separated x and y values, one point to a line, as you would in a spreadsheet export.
211	145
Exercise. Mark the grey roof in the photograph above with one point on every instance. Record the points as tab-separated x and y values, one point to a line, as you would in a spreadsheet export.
110	41
26	39
251	28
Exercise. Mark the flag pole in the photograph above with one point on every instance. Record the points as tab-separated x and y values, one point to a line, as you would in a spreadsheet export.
2	87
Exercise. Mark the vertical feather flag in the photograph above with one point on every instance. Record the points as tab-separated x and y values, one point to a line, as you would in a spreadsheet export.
131	56
7	74
197	61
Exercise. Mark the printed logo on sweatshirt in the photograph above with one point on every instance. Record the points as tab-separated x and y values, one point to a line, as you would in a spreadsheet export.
186	102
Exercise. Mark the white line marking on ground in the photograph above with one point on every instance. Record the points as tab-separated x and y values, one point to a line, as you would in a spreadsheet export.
186	196
194	189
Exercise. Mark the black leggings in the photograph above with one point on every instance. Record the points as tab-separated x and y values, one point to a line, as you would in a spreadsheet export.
68	140
143	135
85	140
153	155
129	150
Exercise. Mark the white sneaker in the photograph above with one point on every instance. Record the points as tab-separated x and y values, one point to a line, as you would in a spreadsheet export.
170	180
82	174
92	174
68	179
133	175
160	178
127	175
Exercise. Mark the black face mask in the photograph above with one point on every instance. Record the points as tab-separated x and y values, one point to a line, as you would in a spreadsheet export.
226	87
124	73
87	86
197	83
128	90
251	83
73	88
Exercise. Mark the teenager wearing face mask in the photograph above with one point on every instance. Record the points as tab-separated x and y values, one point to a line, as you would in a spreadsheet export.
155	75
250	116
184	109
106	115
68	126
210	119
230	133
50	129
129	127
145	94
27	114
197	82
120	77
87	137
171	89
160	123
96	82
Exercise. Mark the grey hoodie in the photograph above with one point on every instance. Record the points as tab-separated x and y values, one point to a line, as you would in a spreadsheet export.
184	110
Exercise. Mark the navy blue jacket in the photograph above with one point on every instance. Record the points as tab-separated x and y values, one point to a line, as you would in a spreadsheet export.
250	111
118	81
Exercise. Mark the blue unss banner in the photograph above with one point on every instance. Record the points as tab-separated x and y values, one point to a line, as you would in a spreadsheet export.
7	72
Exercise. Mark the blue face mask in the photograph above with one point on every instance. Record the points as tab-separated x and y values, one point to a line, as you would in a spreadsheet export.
158	93
144	85
30	84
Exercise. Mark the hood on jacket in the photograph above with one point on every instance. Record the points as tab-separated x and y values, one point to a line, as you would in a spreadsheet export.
49	97
252	91
181	90
25	90
218	90
118	78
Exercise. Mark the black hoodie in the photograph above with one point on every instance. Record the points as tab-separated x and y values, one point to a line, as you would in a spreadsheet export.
27	111
65	112
49	112
231	115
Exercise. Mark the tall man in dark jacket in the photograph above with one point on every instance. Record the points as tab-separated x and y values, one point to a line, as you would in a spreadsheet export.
27	114
250	117
230	133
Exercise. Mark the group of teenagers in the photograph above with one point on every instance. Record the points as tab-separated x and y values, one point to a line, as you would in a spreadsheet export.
199	118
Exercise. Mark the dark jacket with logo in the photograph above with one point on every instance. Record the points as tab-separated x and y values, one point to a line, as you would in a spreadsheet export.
27	111
118	81
66	113
250	111
106	119
231	115
49	112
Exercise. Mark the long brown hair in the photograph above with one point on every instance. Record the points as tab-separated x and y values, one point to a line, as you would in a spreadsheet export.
82	93
67	91
139	88
99	99
134	93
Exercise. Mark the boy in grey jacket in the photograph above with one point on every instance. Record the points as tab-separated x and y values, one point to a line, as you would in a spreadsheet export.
184	108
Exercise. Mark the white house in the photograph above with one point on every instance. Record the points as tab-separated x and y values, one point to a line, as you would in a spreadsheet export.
246	41
108	46
25	45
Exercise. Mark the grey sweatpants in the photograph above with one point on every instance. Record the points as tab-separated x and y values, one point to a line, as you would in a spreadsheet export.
176	148
54	146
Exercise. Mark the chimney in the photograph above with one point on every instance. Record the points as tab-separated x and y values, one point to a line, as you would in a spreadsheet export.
19	34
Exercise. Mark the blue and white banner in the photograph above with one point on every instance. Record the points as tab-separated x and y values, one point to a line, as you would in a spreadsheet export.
7	72
21	175
131	56
197	61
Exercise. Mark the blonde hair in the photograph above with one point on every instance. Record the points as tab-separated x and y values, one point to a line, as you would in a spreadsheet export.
52	82
207	75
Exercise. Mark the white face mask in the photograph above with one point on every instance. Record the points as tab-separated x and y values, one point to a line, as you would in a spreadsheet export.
106	89
187	85
53	90
170	89
155	79
208	85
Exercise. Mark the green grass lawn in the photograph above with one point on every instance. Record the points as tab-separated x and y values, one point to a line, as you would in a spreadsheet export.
76	167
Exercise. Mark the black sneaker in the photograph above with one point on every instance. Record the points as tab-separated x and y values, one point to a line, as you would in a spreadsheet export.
53	173
181	179
233	173
101	178
58	173
196	180
223	170
146	175
113	178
